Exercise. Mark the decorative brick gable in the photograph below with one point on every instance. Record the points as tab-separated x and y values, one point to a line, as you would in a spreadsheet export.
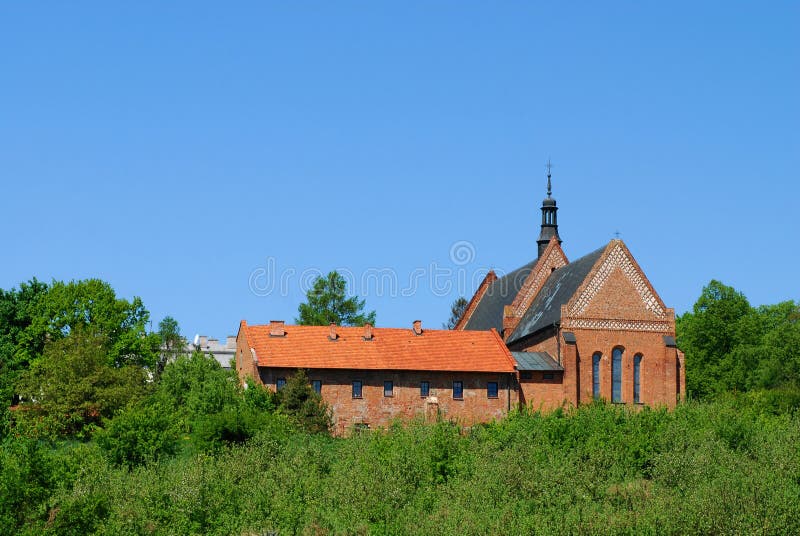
552	258
616	295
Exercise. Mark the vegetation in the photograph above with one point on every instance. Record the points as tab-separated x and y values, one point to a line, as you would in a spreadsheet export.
456	311
327	302
104	444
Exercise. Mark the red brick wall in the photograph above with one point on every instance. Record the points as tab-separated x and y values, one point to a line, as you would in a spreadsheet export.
539	393
376	410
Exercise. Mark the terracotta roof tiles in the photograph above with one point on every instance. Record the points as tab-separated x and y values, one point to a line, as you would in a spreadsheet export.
389	349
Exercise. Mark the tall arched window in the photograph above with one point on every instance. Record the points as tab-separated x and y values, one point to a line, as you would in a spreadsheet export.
637	370
616	375
596	375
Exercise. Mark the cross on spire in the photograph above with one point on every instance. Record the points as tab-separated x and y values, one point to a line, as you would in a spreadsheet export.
549	188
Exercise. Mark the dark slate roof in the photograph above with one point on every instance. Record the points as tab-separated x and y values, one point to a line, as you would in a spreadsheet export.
489	312
535	361
556	291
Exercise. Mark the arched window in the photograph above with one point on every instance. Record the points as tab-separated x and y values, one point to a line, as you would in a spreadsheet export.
616	375
596	375
637	371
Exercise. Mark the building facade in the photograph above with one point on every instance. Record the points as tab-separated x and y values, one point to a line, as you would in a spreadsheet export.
370	377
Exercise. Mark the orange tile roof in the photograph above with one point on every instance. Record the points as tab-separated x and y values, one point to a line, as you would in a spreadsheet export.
390	349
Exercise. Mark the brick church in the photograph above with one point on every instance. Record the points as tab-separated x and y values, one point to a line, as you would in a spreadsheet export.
597	320
551	333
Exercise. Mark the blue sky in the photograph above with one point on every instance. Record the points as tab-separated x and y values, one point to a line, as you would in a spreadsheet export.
200	154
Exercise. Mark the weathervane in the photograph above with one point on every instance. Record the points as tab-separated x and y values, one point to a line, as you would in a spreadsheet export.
616	233
549	189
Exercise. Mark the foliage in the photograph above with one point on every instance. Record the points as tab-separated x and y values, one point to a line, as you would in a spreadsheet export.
730	345
731	466
140	434
173	343
17	310
456	312
91	304
299	401
195	386
327	302
72	386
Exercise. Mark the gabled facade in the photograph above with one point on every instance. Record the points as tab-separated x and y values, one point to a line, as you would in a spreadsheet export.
605	330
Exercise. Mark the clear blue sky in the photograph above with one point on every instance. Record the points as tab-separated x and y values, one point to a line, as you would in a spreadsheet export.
186	152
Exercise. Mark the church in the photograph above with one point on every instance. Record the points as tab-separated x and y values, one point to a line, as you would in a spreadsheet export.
550	334
593	328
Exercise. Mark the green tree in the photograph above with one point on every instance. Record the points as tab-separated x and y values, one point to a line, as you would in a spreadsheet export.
327	302
72	386
17	311
93	304
303	405
456	311
141	433
709	333
172	342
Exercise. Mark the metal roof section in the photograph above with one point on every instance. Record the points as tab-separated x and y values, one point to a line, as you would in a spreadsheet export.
536	361
559	288
489	312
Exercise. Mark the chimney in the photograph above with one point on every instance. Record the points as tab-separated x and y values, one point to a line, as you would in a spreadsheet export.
417	327
332	336
276	328
367	332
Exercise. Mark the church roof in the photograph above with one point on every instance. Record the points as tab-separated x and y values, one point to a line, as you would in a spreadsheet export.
501	292
557	291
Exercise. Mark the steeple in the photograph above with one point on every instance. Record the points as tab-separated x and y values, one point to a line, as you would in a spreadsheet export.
549	217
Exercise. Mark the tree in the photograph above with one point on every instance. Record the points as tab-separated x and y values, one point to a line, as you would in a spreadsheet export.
93	304
301	403
72	386
17	310
172	342
456	312
327	302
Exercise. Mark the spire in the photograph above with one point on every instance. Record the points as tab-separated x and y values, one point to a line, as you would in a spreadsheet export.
549	216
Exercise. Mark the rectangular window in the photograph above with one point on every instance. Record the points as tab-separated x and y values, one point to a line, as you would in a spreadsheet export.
548	376
491	389
458	390
356	388
388	388
280	383
317	386
526	375
424	389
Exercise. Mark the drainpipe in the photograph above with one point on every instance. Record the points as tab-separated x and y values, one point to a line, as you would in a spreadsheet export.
558	340
508	392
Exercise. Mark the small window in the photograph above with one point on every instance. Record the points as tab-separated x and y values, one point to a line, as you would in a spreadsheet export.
491	389
388	388
356	388
317	386
424	389
458	390
279	384
548	376
526	375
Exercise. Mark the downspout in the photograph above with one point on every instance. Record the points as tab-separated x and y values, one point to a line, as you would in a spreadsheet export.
508	392
558	340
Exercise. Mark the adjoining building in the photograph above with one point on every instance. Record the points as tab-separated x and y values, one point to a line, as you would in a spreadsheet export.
223	352
372	376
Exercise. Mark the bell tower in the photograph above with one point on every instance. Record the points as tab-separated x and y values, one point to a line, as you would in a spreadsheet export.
549	218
